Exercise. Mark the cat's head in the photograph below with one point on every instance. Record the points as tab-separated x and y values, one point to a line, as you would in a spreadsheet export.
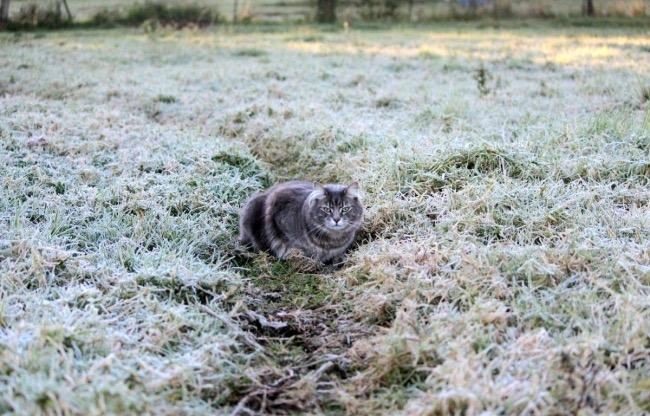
336	208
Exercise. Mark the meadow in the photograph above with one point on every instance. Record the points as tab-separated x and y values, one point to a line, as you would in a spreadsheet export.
503	266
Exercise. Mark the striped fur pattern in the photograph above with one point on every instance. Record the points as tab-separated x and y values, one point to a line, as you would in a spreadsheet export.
319	220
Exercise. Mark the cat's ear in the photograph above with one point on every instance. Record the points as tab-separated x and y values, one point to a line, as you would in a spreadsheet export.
317	194
319	188
352	190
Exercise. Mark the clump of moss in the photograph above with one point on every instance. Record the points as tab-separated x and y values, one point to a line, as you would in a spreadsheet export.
287	286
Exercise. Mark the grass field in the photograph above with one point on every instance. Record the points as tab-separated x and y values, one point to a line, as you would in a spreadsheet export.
503	267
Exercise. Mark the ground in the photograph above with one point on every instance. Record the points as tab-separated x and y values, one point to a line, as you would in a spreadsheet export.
503	266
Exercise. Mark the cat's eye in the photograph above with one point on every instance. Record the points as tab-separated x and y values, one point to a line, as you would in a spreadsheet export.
326	210
346	209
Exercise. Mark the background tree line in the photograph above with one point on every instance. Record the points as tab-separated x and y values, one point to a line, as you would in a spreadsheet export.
324	11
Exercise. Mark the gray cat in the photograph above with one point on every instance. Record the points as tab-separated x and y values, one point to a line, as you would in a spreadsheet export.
319	220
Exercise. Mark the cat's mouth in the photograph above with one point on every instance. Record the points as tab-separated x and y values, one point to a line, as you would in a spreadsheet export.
336	227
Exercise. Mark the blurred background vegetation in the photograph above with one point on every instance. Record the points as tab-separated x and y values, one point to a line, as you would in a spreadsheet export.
60	13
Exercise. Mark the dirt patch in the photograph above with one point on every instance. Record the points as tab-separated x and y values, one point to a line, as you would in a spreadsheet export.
294	312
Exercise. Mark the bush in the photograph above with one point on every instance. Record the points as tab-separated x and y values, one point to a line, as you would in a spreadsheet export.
33	15
176	15
158	13
379	9
106	18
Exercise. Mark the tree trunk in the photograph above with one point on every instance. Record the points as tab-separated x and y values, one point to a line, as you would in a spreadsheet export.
588	8
4	12
67	9
235	11
326	11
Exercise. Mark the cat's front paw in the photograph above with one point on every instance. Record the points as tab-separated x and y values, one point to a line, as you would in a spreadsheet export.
301	262
243	249
336	262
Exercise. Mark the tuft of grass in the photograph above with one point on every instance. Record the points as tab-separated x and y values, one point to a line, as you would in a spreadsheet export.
245	164
482	77
166	99
296	155
645	94
616	171
355	144
386	102
427	174
250	52
307	38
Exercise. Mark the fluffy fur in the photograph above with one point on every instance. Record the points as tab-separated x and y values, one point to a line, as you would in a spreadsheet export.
319	220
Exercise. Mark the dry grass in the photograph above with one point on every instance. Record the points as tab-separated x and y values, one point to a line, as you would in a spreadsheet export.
504	265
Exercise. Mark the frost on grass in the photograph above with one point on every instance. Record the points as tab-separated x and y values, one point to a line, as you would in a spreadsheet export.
503	265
